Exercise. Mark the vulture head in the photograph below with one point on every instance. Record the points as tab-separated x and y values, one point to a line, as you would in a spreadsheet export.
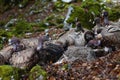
89	35
41	41
15	42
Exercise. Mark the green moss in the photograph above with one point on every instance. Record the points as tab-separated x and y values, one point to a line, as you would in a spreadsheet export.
60	26
6	35
50	17
42	25
82	16
92	7
84	13
114	13
25	2
54	20
37	71
21	28
60	6
65	67
8	4
7	72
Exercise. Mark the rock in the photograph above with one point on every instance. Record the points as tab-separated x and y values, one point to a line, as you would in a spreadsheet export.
11	22
67	26
9	73
37	73
24	59
21	6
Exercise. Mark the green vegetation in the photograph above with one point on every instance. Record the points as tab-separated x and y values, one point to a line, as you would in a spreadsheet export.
4	36
55	20
86	13
114	13
21	27
36	72
7	4
60	6
9	72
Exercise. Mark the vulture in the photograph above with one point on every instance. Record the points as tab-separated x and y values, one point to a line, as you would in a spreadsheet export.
20	53
89	35
79	27
6	52
2	60
71	38
105	17
24	59
111	35
48	51
29	56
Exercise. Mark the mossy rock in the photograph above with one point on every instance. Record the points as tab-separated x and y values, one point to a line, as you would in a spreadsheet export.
36	72
9	72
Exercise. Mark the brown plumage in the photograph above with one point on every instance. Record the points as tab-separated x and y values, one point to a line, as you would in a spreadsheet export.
89	35
24	59
2	60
